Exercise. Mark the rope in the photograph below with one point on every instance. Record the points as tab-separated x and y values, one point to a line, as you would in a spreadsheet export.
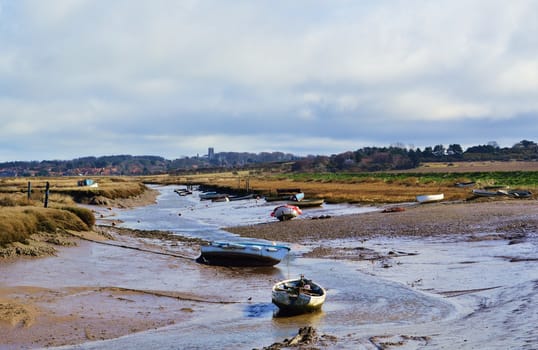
129	247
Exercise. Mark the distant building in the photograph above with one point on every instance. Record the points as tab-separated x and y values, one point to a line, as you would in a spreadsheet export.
210	153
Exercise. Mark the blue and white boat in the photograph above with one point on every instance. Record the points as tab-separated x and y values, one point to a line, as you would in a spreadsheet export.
242	253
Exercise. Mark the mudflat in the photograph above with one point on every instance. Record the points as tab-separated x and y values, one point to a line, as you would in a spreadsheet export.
52	313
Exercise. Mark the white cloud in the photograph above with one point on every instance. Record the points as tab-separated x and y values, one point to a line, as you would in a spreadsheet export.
329	71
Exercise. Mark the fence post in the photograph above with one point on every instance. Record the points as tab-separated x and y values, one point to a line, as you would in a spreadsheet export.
47	194
29	190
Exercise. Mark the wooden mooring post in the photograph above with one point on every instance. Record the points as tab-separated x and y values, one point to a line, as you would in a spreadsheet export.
47	194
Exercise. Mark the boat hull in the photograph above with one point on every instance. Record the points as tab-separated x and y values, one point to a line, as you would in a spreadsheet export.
242	254
308	203
286	212
291	300
429	198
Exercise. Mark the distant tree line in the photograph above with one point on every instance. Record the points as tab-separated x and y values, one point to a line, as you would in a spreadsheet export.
138	165
401	158
364	159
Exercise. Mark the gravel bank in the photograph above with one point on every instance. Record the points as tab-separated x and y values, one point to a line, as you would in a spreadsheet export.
461	219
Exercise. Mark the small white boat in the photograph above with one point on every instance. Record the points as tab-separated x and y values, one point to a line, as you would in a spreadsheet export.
286	212
428	198
297	296
242	254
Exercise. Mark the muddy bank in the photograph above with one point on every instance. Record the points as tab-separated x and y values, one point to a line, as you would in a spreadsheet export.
32	317
503	218
39	316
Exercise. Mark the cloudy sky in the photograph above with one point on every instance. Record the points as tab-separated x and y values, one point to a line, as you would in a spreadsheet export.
174	77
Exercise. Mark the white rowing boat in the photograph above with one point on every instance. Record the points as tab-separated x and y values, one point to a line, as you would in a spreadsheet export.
297	296
428	198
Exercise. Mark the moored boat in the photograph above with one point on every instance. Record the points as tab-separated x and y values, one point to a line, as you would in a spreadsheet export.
183	192
240	198
212	195
297	296
242	253
520	193
465	184
286	212
307	203
488	193
429	198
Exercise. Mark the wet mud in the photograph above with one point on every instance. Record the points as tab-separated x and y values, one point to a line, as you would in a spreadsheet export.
143	289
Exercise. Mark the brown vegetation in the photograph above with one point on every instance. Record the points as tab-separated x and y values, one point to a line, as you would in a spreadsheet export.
65	189
469	167
23	215
361	190
17	224
370	190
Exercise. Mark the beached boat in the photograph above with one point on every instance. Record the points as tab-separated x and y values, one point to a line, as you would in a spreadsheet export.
285	194
221	199
242	254
297	296
276	198
241	198
428	198
307	203
520	193
286	212
488	193
183	192
465	184
212	195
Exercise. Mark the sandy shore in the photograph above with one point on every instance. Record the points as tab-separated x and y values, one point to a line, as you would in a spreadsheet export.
36	316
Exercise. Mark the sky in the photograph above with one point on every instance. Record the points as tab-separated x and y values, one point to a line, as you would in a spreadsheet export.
310	77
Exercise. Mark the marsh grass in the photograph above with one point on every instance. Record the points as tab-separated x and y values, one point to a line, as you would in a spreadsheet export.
65	190
364	187
17	224
22	215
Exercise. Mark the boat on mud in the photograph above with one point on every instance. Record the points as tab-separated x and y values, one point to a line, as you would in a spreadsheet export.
465	184
430	198
286	212
520	193
183	192
308	203
241	198
212	195
241	253
298	296
489	193
285	194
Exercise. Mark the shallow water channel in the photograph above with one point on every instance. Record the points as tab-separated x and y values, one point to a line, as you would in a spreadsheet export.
246	319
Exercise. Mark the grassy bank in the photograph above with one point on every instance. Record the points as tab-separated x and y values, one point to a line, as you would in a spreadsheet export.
66	190
17	224
23	214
